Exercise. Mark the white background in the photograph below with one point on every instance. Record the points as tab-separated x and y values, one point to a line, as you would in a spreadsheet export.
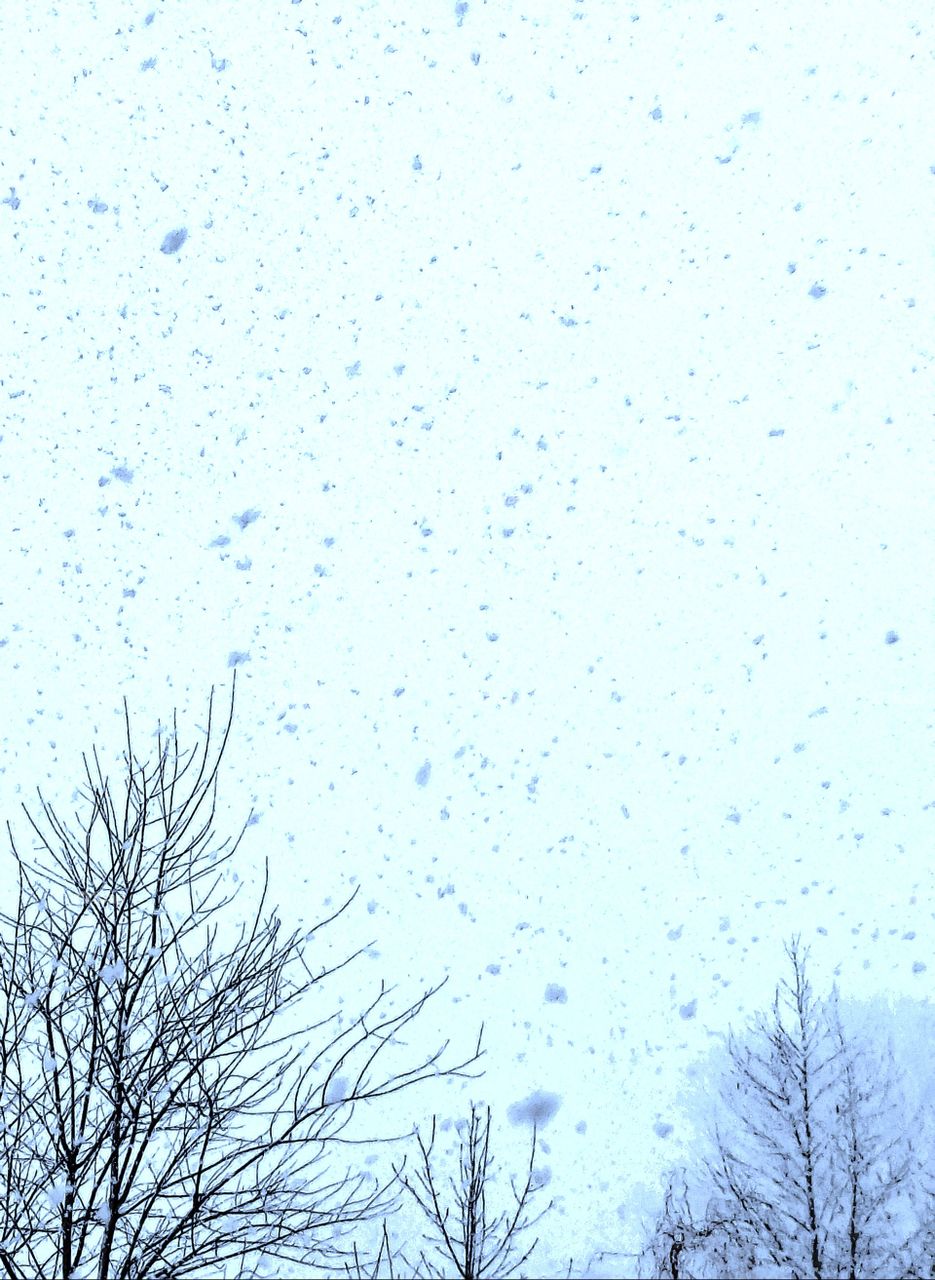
560	381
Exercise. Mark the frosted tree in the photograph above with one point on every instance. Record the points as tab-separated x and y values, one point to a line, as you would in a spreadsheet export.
164	1114
687	1242
776	1168
878	1211
812	1173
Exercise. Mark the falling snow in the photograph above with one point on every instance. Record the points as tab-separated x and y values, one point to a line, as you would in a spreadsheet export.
551	478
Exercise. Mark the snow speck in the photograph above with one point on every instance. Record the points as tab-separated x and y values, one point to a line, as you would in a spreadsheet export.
337	1090
555	994
688	1011
425	772
661	1129
247	517
236	659
174	240
538	1108
891	637
817	291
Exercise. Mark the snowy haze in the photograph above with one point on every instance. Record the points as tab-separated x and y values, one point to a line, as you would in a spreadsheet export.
535	408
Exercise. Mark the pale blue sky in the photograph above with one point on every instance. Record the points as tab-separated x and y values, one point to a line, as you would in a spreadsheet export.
545	400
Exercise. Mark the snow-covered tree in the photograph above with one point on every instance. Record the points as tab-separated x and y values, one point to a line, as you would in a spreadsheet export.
159	1117
879	1195
812	1172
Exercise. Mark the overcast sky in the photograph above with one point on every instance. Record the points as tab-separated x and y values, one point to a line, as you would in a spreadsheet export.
534	407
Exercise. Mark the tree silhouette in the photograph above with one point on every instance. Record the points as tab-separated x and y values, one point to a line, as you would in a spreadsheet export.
465	1238
159	1118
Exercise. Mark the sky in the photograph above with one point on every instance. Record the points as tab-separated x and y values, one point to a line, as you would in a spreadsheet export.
533	407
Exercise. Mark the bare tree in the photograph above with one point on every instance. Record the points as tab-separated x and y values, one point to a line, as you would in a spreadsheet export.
465	1238
159	1118
812	1168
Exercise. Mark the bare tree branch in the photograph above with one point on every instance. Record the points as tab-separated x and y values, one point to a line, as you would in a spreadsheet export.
470	1241
160	1118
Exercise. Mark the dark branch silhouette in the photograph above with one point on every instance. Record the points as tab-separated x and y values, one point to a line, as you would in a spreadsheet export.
159	1119
465	1237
